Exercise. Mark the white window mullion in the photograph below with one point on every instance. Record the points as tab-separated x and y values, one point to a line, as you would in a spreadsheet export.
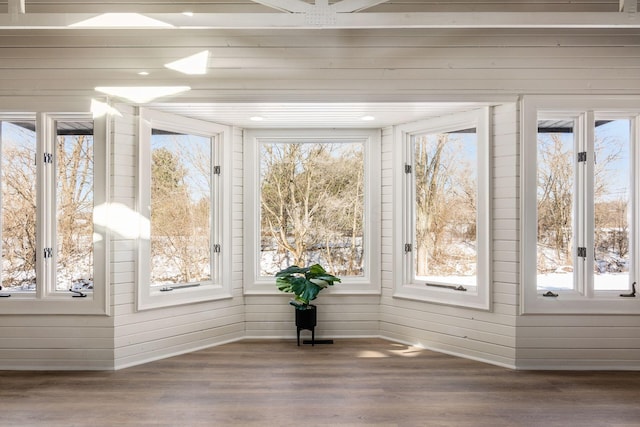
410	218
484	124
215	214
50	207
45	263
41	126
635	192
587	195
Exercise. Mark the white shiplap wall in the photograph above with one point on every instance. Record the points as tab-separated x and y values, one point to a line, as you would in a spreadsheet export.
578	342
392	65
488	336
270	316
56	342
153	334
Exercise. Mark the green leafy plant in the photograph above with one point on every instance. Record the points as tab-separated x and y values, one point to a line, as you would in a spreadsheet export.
304	282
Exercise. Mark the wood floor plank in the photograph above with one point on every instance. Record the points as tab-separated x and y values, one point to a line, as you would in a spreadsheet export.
364	382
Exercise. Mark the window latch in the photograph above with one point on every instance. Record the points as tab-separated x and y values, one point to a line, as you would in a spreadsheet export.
582	156
186	285
631	294
77	294
4	295
454	287
549	294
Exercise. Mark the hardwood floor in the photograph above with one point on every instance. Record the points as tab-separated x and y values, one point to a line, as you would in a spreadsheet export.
365	382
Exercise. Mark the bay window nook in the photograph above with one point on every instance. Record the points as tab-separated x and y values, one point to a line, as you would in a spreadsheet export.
470	170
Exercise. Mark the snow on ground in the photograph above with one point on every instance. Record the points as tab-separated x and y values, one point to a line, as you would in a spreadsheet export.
602	282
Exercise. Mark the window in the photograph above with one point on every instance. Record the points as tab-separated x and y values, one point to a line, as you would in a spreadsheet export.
74	205
580	187
51	185
446	210
181	198
19	205
180	259
314	204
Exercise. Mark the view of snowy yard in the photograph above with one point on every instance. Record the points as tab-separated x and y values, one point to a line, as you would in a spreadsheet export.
563	244
312	198
73	198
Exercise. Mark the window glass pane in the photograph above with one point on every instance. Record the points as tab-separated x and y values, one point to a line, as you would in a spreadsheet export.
74	205
446	183
555	187
311	206
18	205
612	205
180	208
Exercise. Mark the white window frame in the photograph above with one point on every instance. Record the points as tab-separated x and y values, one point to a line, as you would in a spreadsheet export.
405	285
369	283
219	286
583	299
46	299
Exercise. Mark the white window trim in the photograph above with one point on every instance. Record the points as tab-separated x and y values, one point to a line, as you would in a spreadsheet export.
369	284
569	302
46	300
405	287
219	287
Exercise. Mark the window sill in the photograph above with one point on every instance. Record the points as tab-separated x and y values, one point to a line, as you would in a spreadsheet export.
572	304
443	296
181	296
54	306
343	288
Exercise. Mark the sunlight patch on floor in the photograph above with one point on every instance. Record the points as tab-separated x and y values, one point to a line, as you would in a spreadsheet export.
396	350
371	354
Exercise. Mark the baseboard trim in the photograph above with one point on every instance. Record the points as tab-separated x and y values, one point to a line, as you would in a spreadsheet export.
452	353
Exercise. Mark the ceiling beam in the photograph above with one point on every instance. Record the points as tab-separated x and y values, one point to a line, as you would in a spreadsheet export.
346	20
291	6
347	6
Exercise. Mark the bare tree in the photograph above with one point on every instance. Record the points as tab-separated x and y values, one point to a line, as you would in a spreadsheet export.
555	194
74	180
556	163
445	206
311	203
180	226
18	214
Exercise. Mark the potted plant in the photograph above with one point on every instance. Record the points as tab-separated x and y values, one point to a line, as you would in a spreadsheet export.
305	283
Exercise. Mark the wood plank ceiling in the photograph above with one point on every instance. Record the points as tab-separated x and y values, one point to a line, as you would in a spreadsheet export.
335	61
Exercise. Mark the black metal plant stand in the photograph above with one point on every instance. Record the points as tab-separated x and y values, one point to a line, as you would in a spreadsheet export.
307	319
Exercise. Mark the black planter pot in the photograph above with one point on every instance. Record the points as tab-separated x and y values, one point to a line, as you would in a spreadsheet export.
307	319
